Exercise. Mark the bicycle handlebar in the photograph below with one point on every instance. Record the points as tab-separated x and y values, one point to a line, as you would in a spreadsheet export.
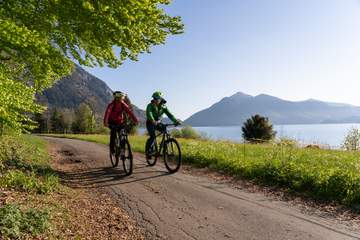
170	124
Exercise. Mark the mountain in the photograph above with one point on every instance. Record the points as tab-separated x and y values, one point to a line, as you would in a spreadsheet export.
81	87
234	110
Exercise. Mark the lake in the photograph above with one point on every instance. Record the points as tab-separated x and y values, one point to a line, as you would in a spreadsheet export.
324	134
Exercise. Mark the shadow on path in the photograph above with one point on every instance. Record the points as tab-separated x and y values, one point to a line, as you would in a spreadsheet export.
108	176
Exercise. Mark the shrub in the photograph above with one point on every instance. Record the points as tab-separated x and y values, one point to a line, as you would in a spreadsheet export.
352	140
287	142
186	132
19	180
258	129
15	222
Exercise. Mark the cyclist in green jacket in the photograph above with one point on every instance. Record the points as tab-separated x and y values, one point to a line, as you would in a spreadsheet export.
154	110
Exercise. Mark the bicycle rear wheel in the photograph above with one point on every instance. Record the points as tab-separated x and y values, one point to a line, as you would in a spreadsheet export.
151	153
127	158
172	155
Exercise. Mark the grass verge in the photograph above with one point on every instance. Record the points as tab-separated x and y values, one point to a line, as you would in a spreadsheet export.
24	168
330	175
34	204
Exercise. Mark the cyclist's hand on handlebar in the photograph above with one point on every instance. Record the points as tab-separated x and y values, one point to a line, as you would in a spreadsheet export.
106	124
177	123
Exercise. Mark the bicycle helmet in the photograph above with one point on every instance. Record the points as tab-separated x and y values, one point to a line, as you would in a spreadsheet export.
157	95
118	94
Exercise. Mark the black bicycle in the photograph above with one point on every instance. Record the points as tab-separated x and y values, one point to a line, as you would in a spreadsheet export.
122	150
169	148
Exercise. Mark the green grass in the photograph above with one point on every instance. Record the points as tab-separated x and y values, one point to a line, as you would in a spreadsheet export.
29	182
24	167
25	164
332	175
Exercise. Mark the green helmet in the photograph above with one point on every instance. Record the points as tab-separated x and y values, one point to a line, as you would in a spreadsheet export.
157	95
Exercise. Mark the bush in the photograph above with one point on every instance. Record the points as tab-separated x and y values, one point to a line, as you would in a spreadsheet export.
287	142
186	132
19	180
352	140
258	129
15	222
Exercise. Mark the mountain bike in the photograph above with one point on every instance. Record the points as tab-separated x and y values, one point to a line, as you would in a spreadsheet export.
169	148
122	150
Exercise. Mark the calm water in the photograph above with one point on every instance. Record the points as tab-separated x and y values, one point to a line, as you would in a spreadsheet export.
326	134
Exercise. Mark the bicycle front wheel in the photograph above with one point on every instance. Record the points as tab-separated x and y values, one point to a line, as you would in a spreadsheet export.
127	158
172	155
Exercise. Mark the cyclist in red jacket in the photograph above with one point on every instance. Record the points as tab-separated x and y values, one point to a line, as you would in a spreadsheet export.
114	115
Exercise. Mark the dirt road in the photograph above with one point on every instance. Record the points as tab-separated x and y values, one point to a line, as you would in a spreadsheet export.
182	206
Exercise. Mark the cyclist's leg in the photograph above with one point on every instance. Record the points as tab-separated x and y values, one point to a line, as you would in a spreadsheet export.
151	130
122	140
112	139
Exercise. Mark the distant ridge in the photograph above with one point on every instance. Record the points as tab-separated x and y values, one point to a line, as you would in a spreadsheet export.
234	110
81	87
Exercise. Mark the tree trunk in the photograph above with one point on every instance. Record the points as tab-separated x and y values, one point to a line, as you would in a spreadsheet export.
1	128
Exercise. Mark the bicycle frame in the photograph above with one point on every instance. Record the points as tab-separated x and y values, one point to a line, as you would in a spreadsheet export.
121	133
165	136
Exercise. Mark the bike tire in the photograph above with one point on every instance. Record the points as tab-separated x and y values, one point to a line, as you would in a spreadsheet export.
172	155
127	159
150	158
114	158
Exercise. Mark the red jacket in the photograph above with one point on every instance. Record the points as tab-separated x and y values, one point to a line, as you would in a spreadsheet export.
115	113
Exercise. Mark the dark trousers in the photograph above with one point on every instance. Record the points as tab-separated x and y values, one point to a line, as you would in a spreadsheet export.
151	128
112	139
113	129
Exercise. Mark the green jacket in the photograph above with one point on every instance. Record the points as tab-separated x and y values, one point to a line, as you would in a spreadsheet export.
154	113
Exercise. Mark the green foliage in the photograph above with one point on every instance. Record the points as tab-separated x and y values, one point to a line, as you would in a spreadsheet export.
15	222
42	123
16	100
23	149
29	182
131	127
24	164
84	120
257	129
38	39
57	122
287	142
352	140
186	132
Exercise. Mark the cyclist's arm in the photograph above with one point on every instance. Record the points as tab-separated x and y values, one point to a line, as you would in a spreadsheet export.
107	114
129	112
170	115
149	113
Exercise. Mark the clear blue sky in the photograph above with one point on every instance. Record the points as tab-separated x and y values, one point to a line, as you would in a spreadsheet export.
290	49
